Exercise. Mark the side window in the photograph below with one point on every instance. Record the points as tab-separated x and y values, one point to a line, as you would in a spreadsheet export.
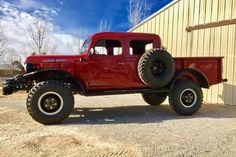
100	48
108	48
149	46
117	51
138	47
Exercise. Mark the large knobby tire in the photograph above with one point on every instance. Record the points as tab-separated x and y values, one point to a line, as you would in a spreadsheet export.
156	68
186	97
50	102
154	99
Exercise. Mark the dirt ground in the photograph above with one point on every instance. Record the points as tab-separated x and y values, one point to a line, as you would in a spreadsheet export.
122	125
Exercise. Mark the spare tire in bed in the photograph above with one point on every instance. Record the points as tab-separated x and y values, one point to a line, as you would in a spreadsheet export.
156	68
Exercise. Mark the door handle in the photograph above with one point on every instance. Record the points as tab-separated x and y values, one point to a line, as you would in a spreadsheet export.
121	63
82	60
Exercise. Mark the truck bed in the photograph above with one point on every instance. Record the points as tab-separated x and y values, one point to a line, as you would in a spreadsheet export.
211	67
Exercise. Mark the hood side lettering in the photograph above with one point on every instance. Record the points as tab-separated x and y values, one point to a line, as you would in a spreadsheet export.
54	60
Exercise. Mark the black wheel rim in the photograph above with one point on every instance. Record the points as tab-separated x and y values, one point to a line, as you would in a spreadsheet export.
158	68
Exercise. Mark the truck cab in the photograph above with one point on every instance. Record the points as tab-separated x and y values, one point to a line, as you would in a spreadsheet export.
112	60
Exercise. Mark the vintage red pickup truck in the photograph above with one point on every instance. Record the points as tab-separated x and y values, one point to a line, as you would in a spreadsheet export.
114	63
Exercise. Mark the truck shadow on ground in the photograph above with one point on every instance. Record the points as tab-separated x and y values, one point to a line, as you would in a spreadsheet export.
144	114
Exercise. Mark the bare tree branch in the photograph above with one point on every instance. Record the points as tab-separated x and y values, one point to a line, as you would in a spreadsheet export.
75	45
5	57
39	37
137	11
3	42
104	26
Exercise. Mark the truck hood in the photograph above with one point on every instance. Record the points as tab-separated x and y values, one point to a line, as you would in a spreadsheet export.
62	62
36	59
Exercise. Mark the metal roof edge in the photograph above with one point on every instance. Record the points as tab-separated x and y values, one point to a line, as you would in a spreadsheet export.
154	14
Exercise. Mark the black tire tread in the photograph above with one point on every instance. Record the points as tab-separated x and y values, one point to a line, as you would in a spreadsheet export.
34	90
142	64
159	99
173	102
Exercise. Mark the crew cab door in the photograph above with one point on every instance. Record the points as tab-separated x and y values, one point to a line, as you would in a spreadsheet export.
107	69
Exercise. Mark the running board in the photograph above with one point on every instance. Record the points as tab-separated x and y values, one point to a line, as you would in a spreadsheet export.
128	91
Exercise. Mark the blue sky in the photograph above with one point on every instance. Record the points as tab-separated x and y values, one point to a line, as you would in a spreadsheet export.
88	13
85	15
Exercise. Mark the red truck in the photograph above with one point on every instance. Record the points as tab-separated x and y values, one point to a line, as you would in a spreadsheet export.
114	63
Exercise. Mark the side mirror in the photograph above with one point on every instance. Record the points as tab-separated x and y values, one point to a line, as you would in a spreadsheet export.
91	51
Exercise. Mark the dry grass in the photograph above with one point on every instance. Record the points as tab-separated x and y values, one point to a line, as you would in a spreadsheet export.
9	73
5	73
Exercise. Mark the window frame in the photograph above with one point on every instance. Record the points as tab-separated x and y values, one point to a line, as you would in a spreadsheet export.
116	39
129	45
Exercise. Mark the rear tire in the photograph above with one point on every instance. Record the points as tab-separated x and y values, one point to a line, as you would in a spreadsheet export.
154	99
186	98
50	102
156	68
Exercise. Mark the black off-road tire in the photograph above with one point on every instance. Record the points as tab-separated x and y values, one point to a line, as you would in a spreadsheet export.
156	68
54	89
154	99
180	98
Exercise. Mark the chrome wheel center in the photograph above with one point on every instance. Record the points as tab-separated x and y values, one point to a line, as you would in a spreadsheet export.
188	98
50	103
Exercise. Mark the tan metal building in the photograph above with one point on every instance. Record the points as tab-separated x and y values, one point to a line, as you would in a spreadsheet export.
200	28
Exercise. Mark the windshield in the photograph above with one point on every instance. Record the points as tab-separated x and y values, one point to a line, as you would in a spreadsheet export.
85	46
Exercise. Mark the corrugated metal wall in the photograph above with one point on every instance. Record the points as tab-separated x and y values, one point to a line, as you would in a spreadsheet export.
170	24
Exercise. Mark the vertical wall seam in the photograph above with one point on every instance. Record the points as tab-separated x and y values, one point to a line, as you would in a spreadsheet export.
177	29
205	36
226	47
187	40
168	11
213	50
181	42
172	39
234	67
233	55
198	21
204	33
191	41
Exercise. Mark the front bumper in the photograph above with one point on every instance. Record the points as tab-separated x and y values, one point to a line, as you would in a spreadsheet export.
7	87
15	84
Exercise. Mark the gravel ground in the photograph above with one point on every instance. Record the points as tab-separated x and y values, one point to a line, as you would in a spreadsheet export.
121	125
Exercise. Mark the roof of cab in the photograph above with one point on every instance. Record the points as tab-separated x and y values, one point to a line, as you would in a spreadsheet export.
124	34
